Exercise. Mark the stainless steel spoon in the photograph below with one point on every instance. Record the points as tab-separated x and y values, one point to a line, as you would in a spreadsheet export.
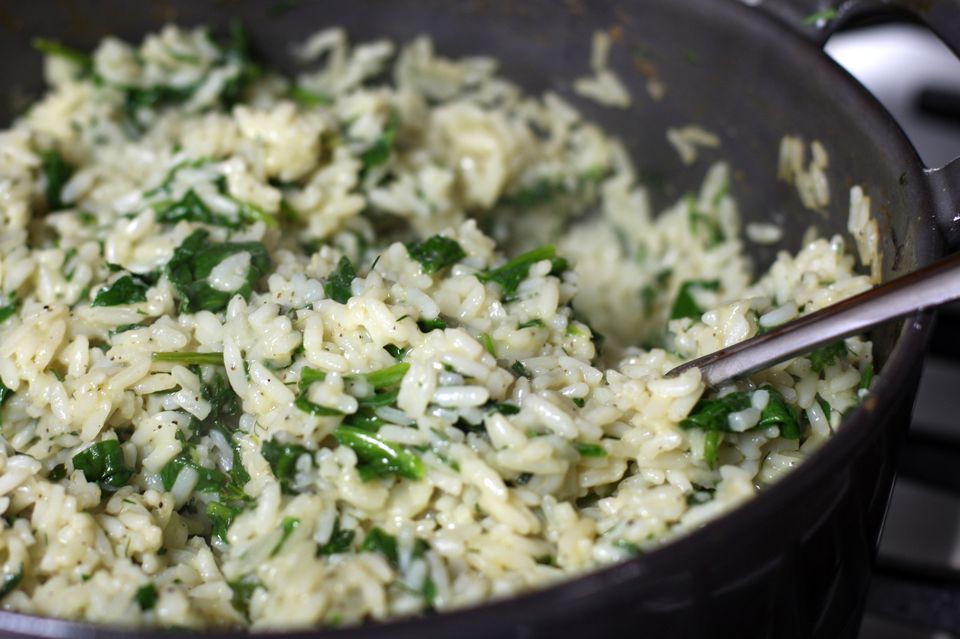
930	286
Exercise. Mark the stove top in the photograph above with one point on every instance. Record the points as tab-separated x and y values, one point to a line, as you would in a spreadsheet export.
915	593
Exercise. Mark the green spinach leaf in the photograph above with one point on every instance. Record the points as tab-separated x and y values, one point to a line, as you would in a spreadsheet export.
287	526
147	597
339	541
283	461
128	289
436	253
337	285
9	309
50	47
195	259
827	355
779	413
57	171
509	276
379	458
103	463
378	153
10	582
685	305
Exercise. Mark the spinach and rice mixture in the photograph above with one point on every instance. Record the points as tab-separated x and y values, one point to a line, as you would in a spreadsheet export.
263	363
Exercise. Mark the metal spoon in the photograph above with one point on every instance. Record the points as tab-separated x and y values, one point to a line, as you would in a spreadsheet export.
930	286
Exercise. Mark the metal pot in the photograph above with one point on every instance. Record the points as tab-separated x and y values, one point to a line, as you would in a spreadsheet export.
795	561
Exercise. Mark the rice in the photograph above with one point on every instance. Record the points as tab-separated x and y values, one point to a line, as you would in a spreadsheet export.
687	140
810	180
604	86
261	367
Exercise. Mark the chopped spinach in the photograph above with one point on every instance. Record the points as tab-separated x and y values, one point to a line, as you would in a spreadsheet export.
379	379
628	547
210	480
587	449
138	98
685	305
243	590
195	259
337	285
287	526
396	352
519	369
9	309
707	227
307	98
215	359
238	50
86	218
10	582
827	355
5	394
191	208
711	447
227	486
824	15
522	479
147	597
429	592
123	328
221	517
711	414
379	458
224	403
779	413
379	151
287	212
283	461
339	541
382	542
559	266
538	193
546	560
304	404
502	408
579	402
866	377
128	289
385	398
436	253
164	186
488	344
427	325
59	50
307	377
532	323
103	463
364	418
509	276
387	377
824	406
57	171
57	473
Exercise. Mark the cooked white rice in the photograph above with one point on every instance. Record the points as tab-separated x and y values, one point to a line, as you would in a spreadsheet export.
192	435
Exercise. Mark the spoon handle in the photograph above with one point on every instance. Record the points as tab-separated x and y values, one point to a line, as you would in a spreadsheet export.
930	286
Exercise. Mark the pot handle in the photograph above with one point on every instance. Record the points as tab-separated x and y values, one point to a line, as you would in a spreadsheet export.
817	20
